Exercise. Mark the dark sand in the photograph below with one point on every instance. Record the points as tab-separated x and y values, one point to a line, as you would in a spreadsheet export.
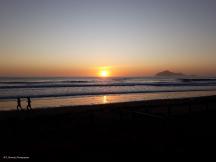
110	132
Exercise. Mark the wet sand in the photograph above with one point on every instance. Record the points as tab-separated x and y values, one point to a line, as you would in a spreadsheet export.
110	131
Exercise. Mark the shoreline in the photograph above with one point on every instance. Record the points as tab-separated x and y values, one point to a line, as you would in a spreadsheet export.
102	100
135	105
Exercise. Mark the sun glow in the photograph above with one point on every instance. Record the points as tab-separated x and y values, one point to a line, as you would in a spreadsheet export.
104	73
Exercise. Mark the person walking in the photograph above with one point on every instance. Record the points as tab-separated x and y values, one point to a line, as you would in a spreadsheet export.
29	103
19	107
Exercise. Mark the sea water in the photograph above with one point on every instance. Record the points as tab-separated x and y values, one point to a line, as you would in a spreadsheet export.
64	91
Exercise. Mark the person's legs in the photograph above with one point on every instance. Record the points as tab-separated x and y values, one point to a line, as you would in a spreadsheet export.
29	107
19	107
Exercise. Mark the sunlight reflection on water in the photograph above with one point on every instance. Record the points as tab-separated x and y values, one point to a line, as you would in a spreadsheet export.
105	99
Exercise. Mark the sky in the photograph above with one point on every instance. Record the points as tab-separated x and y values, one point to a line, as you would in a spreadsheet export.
127	37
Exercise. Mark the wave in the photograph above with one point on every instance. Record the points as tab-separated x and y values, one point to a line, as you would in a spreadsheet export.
161	84
102	93
198	80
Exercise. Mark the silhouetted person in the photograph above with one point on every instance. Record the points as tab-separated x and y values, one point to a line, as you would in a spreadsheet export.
29	103
19	107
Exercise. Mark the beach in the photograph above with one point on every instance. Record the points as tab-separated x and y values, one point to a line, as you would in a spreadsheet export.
110	131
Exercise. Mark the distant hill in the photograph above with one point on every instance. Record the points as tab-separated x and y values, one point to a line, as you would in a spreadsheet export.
168	73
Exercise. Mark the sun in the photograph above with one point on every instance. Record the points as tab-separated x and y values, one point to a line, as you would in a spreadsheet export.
104	73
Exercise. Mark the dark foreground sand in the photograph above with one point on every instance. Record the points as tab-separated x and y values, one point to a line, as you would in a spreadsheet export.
110	132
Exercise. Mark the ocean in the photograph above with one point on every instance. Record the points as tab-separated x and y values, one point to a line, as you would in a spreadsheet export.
64	91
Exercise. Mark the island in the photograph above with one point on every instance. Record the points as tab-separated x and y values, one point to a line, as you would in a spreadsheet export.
168	73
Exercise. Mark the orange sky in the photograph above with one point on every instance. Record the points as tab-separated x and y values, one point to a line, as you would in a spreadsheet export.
134	38
114	71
